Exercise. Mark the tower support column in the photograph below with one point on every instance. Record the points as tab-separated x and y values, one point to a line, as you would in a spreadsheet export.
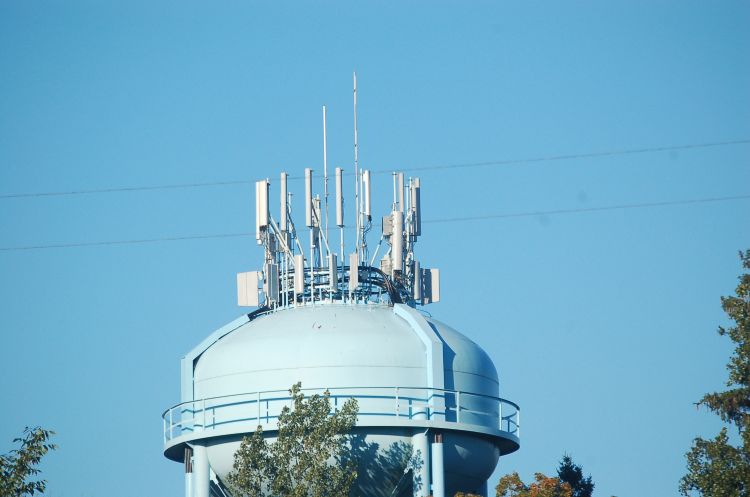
484	490
201	471
438	469
188	471
421	464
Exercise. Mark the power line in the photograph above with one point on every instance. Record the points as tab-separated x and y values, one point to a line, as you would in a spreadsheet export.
590	209
590	155
126	242
506	162
642	205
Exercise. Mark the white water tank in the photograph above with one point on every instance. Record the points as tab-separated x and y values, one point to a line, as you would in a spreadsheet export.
413	377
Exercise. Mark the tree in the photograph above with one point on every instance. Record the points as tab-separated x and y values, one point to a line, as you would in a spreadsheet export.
544	486
18	466
715	467
572	474
310	456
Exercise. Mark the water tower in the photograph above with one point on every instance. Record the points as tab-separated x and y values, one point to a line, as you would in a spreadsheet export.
348	323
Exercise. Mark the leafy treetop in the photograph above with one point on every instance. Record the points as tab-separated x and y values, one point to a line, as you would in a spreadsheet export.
18	466
572	474
309	457
512	486
715	467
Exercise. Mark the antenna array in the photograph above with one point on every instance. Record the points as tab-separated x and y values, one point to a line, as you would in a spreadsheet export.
292	276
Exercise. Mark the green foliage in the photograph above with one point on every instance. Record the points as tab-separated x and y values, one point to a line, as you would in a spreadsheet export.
18	466
544	486
310	456
716	468
572	474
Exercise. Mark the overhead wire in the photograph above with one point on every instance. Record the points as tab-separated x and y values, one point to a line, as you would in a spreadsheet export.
504	162
641	205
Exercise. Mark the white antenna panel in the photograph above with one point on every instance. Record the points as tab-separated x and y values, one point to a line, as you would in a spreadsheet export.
366	186
299	274
417	286
353	271
308	198
435	285
247	289
283	198
401	205
431	285
387	225
339	198
271	283
261	208
416	207
397	241
333	274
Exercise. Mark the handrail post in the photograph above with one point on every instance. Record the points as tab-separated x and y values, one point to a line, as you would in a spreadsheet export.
458	406
170	423
257	401
203	408
164	428
397	407
501	417
518	423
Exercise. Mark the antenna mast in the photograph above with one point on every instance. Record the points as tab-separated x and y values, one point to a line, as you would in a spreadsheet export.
325	171
356	168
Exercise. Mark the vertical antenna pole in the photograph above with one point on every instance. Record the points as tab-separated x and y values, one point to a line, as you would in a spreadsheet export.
340	217
283	215
310	223
325	170
283	203
356	165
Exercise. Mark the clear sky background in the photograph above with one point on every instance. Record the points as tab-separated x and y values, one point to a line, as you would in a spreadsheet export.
601	323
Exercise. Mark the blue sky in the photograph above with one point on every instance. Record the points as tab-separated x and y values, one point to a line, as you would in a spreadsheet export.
601	324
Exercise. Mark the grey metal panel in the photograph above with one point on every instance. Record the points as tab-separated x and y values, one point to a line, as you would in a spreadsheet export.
416	207
417	283
353	271
430	286
387	225
299	274
435	283
397	241
247	289
271	283
333	278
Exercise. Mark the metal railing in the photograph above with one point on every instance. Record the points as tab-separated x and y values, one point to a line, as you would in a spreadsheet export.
406	403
